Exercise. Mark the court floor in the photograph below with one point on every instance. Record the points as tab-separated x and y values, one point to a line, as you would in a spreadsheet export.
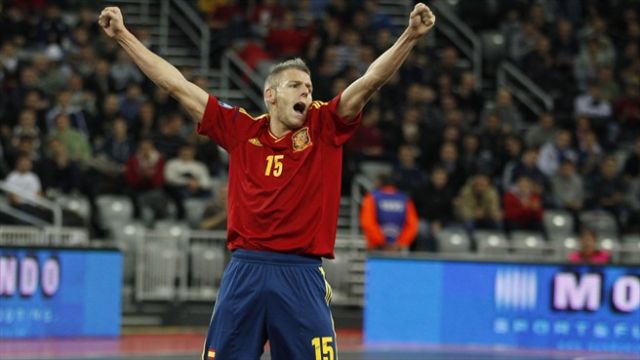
186	346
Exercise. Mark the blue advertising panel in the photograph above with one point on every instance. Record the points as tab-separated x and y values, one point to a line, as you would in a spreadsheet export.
59	292
502	304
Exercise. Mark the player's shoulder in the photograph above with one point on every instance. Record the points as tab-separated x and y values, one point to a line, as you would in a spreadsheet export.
245	114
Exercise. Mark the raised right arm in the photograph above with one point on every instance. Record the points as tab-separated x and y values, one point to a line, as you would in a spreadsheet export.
163	74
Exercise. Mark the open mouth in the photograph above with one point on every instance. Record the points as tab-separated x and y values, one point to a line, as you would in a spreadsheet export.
299	107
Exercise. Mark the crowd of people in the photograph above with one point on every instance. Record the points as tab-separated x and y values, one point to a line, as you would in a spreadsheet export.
90	122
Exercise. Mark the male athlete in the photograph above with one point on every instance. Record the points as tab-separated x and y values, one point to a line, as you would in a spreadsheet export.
284	192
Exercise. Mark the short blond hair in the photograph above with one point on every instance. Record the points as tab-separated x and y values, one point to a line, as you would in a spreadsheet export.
272	78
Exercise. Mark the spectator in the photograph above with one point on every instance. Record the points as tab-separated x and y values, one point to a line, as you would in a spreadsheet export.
474	159
64	106
170	139
589	252
492	134
26	127
632	164
523	207
508	159
388	217
145	125
552	153
450	162
607	189
568	189
130	103
100	81
76	142
628	109
593	105
528	167
407	175
542	132
145	179
434	202
470	100
368	141
478	204
111	158
590	154
58	172
124	72
186	177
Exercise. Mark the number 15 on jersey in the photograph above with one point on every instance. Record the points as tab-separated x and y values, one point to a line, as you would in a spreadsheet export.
274	165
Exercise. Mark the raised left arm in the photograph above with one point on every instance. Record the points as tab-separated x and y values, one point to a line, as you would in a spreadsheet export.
356	96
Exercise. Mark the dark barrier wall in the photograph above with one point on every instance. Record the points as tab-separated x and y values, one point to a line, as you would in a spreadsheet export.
59	292
564	307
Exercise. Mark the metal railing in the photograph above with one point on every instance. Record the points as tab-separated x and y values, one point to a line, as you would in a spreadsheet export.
190	23
188	266
55	208
48	237
236	74
527	92
461	35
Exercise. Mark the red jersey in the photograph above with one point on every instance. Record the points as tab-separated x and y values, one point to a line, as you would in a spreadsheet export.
284	194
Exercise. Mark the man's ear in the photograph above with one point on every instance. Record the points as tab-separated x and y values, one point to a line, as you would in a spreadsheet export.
270	96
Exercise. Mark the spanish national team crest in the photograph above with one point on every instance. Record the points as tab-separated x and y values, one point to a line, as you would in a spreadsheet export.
301	140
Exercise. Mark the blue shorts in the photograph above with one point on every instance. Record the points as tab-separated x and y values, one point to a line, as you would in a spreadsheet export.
271	296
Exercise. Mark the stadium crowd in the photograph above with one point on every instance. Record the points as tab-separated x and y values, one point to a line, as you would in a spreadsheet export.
78	112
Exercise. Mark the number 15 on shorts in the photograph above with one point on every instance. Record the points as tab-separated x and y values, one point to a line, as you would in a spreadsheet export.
323	347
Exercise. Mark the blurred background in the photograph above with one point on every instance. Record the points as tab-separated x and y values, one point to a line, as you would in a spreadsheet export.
491	196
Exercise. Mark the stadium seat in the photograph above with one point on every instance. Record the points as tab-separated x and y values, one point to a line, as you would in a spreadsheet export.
558	222
206	265
171	227
491	242
371	169
630	250
600	221
564	244
453	240
76	203
114	209
611	244
528	243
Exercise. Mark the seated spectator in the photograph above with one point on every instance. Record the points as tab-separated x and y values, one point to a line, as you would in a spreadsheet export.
76	142
628	109
215	215
523	207
631	168
589	252
478	204
145	125
145	179
26	126
568	189
407	175
111	157
508	159
553	152
130	103
388	217
29	189
368	141
186	177
527	166
434	202
450	162
58	172
542	132
170	138
64	106
508	112
594	106
590	154
474	159
607	188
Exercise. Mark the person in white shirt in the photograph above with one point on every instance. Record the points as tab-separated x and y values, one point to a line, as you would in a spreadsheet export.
26	185
186	177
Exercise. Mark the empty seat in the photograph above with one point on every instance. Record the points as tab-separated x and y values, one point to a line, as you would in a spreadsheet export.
528	243
610	244
630	250
558	222
173	228
600	221
114	209
76	203
564	245
453	240
491	242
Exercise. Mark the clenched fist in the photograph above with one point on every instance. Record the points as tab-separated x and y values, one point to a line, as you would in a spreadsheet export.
112	22
421	19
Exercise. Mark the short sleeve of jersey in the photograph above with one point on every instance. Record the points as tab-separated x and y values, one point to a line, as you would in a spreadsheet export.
224	124
338	129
